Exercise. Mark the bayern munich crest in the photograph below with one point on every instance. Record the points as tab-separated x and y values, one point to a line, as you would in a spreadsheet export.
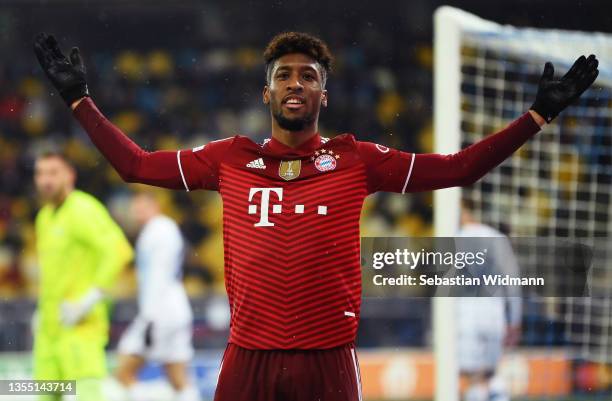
325	160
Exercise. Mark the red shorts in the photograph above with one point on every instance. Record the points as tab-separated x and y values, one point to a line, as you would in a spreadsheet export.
289	375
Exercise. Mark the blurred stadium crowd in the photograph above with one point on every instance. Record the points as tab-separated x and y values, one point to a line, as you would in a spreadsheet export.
184	96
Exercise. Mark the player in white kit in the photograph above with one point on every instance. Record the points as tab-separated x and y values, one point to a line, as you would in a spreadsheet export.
488	322
162	330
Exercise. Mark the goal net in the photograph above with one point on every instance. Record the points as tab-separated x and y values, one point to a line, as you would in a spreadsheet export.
558	185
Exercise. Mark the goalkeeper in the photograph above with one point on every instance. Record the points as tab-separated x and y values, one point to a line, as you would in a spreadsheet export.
80	250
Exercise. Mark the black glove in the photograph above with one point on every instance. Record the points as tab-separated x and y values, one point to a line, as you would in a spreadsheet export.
555	95
148	335
68	76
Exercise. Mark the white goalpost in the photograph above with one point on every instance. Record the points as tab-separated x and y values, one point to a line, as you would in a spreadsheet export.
557	186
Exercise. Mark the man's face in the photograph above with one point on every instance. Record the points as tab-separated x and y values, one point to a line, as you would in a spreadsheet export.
295	92
53	178
142	207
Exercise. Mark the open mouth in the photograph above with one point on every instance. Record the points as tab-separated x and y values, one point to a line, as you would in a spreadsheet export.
294	102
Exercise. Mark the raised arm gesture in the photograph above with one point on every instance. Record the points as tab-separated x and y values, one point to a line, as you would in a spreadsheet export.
160	168
554	95
66	75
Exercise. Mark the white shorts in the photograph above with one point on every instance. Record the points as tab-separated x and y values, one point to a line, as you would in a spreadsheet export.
481	328
168	343
480	349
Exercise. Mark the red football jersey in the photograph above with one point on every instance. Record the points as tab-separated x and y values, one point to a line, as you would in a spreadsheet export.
291	232
291	216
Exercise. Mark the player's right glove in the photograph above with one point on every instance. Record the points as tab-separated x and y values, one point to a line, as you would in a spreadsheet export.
554	95
71	313
68	76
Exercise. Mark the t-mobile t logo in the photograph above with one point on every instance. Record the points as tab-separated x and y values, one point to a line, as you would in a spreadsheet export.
265	203
264	209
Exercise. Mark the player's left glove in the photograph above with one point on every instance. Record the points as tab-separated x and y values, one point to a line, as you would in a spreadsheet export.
554	95
72	313
68	76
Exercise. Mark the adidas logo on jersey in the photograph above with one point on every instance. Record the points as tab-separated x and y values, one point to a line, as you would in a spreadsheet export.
257	163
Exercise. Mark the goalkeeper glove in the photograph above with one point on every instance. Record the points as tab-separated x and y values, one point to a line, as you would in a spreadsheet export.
554	95
68	76
72	313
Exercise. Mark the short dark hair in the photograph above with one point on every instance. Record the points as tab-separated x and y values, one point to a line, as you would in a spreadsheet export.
49	154
298	42
468	204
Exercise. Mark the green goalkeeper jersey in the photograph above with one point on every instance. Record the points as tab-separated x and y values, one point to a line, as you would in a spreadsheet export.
79	247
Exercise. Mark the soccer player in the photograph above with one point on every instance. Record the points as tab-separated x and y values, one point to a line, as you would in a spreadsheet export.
492	319
291	208
162	330
80	251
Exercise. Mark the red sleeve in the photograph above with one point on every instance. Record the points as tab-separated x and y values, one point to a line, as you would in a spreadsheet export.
199	167
387	169
395	171
435	171
188	169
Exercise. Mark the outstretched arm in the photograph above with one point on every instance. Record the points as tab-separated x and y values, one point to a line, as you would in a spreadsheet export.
434	171
160	168
133	164
396	171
